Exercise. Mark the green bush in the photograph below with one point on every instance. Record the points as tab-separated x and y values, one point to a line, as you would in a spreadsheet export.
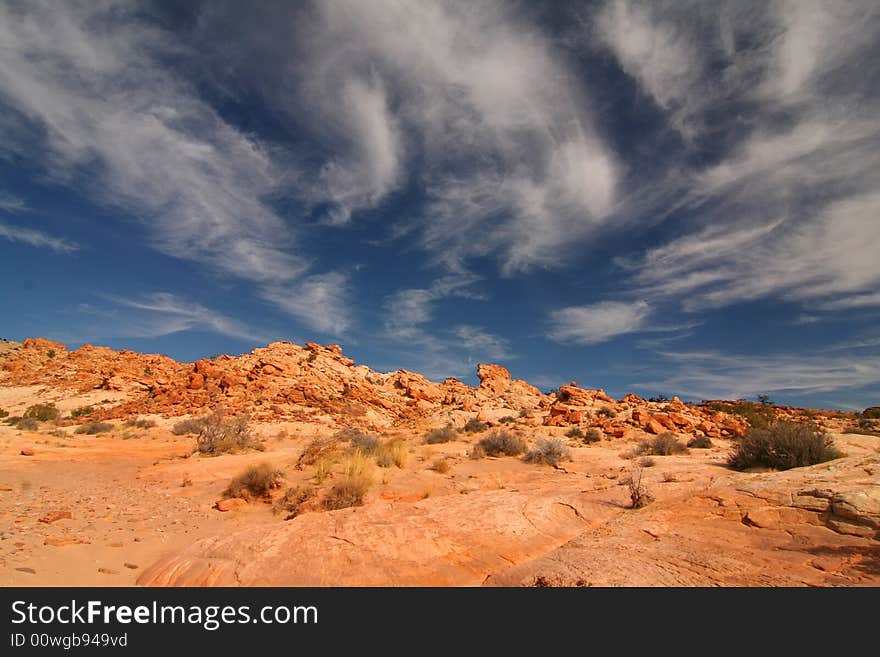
92	428
871	413
507	419
442	435
550	451
700	442
575	432
81	412
666	444
593	435
359	440
606	412
474	426
188	426
3	413
759	416
502	443
293	500
639	494
140	424
42	412
257	481
219	434
783	445
26	424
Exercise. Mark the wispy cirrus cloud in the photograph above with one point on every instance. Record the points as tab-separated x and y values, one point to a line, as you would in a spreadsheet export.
446	350
36	238
11	203
158	314
95	100
471	102
785	209
598	322
713	374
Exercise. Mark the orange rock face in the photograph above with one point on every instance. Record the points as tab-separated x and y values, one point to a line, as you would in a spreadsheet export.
287	382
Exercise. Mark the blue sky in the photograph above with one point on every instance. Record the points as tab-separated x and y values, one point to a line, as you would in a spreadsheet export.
677	198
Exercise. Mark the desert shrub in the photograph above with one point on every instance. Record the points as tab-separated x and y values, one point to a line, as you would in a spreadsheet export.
186	482
502	443
191	425
523	412
384	458
783	445
255	482
353	487
440	466
312	357
700	442
140	424
477	452
3	413
871	413
507	419
659	398
666	444
82	411
51	353
219	434
592	436
26	424
864	430
92	428
319	449
647	462
442	435
293	500
42	412
639	494
474	426
391	453
13	419
551	451
759	416
575	432
606	412
366	443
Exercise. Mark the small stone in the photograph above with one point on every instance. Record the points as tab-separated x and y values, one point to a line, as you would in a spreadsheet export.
66	540
132	566
25	569
54	516
108	571
27	451
231	504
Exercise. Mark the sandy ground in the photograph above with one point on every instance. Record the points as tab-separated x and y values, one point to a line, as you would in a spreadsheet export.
105	509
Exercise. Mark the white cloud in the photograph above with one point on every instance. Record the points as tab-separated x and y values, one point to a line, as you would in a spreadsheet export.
713	374
11	203
484	345
163	313
98	108
447	350
788	210
36	238
320	301
468	101
598	322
